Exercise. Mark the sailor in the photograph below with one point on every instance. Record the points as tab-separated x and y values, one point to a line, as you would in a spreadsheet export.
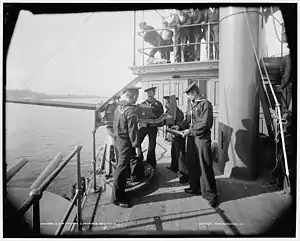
125	126
286	81
181	33
197	32
178	164
151	129
167	36
212	16
153	38
199	156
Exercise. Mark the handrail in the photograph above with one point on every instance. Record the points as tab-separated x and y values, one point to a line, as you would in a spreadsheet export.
65	218
176	45
15	169
174	28
36	194
182	26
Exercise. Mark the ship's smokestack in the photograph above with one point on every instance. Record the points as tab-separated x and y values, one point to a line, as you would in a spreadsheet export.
239	89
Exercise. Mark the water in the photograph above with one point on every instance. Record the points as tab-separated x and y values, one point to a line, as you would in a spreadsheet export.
38	133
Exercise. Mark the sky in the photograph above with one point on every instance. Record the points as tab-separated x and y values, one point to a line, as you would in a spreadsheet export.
91	52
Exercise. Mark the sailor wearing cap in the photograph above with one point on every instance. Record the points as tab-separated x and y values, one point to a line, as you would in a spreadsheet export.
178	164
151	130
125	125
167	36
199	156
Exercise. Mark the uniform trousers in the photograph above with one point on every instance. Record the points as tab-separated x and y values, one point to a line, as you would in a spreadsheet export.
200	167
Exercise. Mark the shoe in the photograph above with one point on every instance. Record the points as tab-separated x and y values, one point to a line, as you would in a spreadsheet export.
183	180
171	168
190	191
122	204
213	203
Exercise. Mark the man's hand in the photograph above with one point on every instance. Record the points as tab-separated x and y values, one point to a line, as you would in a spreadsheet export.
138	151
175	127
186	132
98	106
277	88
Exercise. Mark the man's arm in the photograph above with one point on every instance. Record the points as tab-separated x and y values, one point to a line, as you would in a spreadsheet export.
173	23
132	125
286	71
203	121
185	123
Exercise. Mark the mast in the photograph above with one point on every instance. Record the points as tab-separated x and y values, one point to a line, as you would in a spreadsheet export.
239	91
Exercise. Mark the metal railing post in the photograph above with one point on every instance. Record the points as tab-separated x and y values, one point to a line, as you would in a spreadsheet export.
79	227
174	46
281	42
95	189
208	41
36	223
134	36
143	40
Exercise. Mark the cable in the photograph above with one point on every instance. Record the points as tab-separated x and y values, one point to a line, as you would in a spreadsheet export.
273	18
52	55
159	14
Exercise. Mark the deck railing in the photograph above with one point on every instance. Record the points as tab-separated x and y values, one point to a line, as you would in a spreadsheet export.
211	45
37	193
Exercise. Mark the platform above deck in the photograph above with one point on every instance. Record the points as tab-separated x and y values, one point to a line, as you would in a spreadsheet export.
176	68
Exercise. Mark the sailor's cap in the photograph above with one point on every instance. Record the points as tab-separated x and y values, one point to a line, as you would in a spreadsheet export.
150	89
190	88
167	97
131	88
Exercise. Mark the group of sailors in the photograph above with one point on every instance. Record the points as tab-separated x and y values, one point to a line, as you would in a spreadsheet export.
187	39
191	155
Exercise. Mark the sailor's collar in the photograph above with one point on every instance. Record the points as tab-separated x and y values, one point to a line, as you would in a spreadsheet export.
198	100
151	102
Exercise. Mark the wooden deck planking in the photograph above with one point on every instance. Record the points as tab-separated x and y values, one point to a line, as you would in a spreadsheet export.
247	207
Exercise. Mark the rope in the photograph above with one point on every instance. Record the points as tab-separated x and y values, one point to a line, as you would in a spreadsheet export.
273	18
51	56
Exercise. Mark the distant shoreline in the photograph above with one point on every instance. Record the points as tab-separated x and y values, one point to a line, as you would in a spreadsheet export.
28	94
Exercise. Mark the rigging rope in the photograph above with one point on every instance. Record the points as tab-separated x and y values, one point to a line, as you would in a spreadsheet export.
281	24
52	55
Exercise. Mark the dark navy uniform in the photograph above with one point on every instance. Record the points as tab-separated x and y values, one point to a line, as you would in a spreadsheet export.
151	130
212	15
178	152
125	126
286	80
199	156
197	32
176	141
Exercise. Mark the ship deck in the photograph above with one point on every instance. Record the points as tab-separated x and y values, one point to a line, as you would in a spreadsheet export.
245	207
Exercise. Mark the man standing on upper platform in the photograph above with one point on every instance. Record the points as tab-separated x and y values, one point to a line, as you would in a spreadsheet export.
199	156
151	129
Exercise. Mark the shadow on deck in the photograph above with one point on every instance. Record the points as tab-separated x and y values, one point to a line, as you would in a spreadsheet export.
245	208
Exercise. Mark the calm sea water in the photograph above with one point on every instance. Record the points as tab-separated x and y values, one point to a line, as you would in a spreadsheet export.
38	133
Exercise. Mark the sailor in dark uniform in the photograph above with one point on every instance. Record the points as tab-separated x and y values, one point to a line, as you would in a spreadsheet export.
178	164
125	125
199	156
151	129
